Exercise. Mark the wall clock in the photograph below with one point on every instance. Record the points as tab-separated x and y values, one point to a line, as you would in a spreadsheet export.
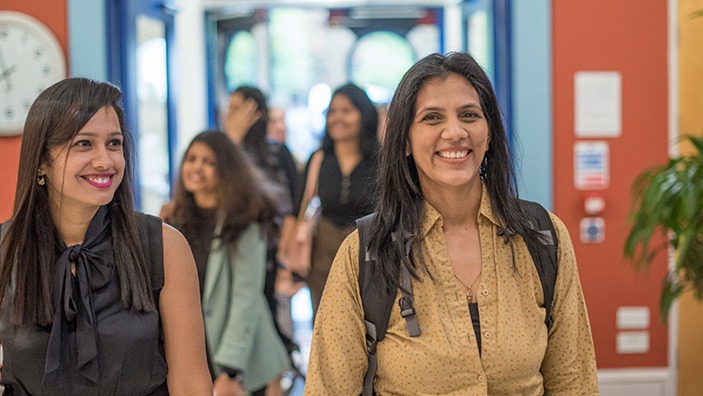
31	59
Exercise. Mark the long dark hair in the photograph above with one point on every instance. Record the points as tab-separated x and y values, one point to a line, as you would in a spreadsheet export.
400	198
368	143
54	119
254	142
244	196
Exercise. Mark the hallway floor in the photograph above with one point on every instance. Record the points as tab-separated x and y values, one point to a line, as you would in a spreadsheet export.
302	334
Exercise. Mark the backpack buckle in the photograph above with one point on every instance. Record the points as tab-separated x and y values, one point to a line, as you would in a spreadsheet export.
406	307
407	311
370	337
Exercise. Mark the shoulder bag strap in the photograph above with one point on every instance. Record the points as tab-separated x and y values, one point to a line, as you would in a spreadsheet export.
311	180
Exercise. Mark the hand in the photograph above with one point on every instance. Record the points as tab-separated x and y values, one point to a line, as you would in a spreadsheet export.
240	119
285	284
226	386
294	246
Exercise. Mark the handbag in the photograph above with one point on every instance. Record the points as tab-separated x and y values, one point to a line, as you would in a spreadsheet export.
297	249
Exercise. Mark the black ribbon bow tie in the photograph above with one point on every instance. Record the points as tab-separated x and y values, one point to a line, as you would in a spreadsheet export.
73	294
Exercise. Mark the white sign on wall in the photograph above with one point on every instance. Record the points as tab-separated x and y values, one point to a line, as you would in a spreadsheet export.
591	165
597	104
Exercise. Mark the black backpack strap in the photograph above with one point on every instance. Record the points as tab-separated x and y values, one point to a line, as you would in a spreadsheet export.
377	300
406	303
544	255
151	237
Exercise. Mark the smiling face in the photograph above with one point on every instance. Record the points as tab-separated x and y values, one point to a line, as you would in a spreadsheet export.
343	119
199	174
85	172
449	134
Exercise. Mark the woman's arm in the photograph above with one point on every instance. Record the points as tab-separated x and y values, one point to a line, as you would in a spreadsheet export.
569	365
181	319
239	120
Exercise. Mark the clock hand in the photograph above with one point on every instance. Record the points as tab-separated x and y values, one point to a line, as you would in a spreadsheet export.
6	72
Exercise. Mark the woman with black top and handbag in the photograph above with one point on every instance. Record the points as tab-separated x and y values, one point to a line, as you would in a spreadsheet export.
346	179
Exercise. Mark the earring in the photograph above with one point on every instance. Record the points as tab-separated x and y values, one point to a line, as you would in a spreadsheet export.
482	173
41	180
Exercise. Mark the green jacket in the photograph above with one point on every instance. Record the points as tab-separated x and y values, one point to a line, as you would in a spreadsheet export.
238	325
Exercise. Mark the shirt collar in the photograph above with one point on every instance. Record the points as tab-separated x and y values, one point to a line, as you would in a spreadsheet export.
431	215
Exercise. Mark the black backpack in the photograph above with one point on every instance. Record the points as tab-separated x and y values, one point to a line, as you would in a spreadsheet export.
378	301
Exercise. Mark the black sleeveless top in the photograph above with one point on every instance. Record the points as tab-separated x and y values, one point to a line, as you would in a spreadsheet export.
94	346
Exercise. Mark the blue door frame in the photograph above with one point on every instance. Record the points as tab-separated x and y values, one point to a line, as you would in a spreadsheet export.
122	66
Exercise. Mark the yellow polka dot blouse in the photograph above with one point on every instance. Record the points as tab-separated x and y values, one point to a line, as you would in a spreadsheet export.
518	356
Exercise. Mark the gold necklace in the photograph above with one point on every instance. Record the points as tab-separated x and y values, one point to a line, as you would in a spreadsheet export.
469	293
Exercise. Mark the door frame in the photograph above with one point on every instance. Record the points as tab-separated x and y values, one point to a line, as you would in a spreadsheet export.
122	69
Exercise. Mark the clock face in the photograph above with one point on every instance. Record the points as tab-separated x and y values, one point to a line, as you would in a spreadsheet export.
31	60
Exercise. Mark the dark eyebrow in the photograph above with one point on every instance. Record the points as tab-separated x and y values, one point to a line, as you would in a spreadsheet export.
471	106
93	134
431	108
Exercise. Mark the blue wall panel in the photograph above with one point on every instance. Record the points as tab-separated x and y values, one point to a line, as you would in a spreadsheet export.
87	39
532	98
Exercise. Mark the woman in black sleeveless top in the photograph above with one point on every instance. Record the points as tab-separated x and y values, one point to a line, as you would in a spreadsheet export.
84	308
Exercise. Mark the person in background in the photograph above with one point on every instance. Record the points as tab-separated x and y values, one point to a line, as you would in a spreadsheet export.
226	208
276	131
84	310
446	181
346	178
246	123
287	285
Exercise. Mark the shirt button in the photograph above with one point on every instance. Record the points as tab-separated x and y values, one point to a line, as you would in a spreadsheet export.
487	334
480	378
484	292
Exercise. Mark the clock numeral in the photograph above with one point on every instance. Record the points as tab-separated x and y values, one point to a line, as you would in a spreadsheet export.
38	52
9	112
4	32
26	104
40	90
46	69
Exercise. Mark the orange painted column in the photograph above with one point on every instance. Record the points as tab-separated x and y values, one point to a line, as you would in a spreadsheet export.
629	38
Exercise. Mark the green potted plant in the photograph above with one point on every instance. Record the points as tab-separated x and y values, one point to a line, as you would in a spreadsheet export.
669	199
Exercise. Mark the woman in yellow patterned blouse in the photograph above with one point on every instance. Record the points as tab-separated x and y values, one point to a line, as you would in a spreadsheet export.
477	294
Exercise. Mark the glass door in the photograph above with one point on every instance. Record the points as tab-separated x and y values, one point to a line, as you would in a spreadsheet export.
140	66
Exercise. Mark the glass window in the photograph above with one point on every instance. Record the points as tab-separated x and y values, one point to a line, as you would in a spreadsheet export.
152	128
240	61
479	38
397	56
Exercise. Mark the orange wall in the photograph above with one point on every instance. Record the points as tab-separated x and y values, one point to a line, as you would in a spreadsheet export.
629	37
53	15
